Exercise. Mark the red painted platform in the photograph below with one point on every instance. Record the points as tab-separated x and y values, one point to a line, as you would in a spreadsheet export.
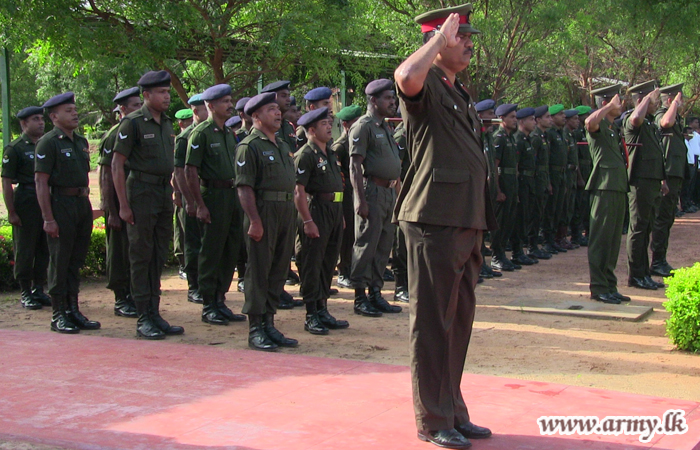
83	392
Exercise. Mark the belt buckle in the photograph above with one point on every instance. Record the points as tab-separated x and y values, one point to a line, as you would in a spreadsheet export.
337	197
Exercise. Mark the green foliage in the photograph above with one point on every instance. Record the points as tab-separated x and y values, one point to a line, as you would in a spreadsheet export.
683	292
7	259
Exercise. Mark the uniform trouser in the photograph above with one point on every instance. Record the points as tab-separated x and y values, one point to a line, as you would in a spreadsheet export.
268	259
644	198
30	245
555	205
374	237
399	262
443	268
192	237
536	220
579	221
665	218
149	237
319	255
117	260
221	239
242	256
179	234
348	240
505	213
606	220
73	215
688	180
570	202
524	212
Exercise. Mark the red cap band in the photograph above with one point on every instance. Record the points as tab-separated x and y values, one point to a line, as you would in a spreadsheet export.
433	24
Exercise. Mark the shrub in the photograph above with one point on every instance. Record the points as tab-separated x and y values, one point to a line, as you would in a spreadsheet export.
7	259
683	292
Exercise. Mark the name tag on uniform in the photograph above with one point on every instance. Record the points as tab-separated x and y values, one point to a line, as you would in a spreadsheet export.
322	164
149	136
268	152
29	154
215	144
379	135
66	151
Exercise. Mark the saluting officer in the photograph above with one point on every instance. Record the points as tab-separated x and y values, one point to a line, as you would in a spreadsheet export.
117	258
61	171
316	98
374	172
558	153
319	176
543	188
265	180
28	236
145	139
210	171
526	185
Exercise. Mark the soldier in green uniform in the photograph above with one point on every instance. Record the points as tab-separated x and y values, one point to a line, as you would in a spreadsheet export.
543	188
318	175
28	236
505	156
184	120
316	98
185	212
145	139
676	155
286	132
247	125
61	168
210	172
558	153
375	170
608	189
265	177
573	179
341	147
117	257
526	185
579	223
647	179
398	251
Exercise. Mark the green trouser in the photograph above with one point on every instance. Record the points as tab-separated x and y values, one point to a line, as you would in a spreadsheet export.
179	234
73	215
570	202
149	237
644	198
399	259
268	258
607	216
30	245
374	237
527	199
664	219
505	213
117	259
536	218
348	240
193	243
221	239
555	205
319	255
579	221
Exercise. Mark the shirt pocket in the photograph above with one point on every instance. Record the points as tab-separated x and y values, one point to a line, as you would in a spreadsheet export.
272	166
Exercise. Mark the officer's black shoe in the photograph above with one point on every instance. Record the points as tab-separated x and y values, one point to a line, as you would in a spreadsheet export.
74	315
622	298
641	283
549	248
380	303
146	329
541	254
225	311
401	295
606	298
486	251
471	431
499	262
517	266
194	296
122	306
343	282
333	291
59	322
210	312
485	275
40	296
274	334
583	241
521	259
331	322
286	301
257	339
509	248
292	278
241	286
363	307
28	301
181	273
314	325
445	438
165	327
558	248
479	280
388	275
652	282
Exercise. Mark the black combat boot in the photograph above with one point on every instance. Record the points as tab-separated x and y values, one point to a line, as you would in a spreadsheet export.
161	323
27	299
257	339
274	334
313	323
59	322
145	328
401	290
327	319
122	306
210	312
75	316
363	306
380	303
39	295
225	311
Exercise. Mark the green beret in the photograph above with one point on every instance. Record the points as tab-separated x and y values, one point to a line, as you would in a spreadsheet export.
183	114
556	109
583	109
349	113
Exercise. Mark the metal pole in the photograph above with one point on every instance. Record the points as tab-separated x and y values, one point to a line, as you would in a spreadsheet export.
260	80
342	88
5	95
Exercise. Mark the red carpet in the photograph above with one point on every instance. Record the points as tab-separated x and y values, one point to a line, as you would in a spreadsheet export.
83	392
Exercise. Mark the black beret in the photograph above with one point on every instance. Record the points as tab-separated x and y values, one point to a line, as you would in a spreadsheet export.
195	100
607	91
276	86
60	99
505	109
569	113
153	79
317	94
233	121
541	111
292	100
126	94
216	92
525	112
240	104
29	111
485	105
378	86
258	101
313	116
643	88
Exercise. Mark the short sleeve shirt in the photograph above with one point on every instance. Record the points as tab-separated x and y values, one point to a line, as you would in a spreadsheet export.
342	153
526	154
18	160
263	165
106	147
504	149
609	171
673	145
540	145
181	145
371	138
66	160
213	150
288	134
316	171
558	147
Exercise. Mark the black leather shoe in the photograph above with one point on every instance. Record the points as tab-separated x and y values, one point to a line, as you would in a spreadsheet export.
487	275
61	324
122	306
257	339
652	282
74	315
146	329
471	431
332	291
401	295
165	327
558	248
606	298
516	266
641	283
241	286
521	259
40	296
210	312
274	334
292	278
445	438
28	301
661	269
364	308
225	311
622	298
388	275
496	273
313	325
502	264
194	296
286	301
343	282
549	248
331	322
380	303
181	273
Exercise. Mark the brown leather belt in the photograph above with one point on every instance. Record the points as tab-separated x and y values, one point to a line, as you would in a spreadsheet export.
336	197
148	178
71	191
276	196
381	182
218	184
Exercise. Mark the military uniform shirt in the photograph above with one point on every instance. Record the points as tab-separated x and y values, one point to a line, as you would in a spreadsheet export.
317	172
540	145
18	160
66	161
241	134
526	153
371	138
572	155
558	147
106	147
181	146
263	165
609	172
288	134
146	144
676	152
342	153
400	139
647	160
504	149
213	150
